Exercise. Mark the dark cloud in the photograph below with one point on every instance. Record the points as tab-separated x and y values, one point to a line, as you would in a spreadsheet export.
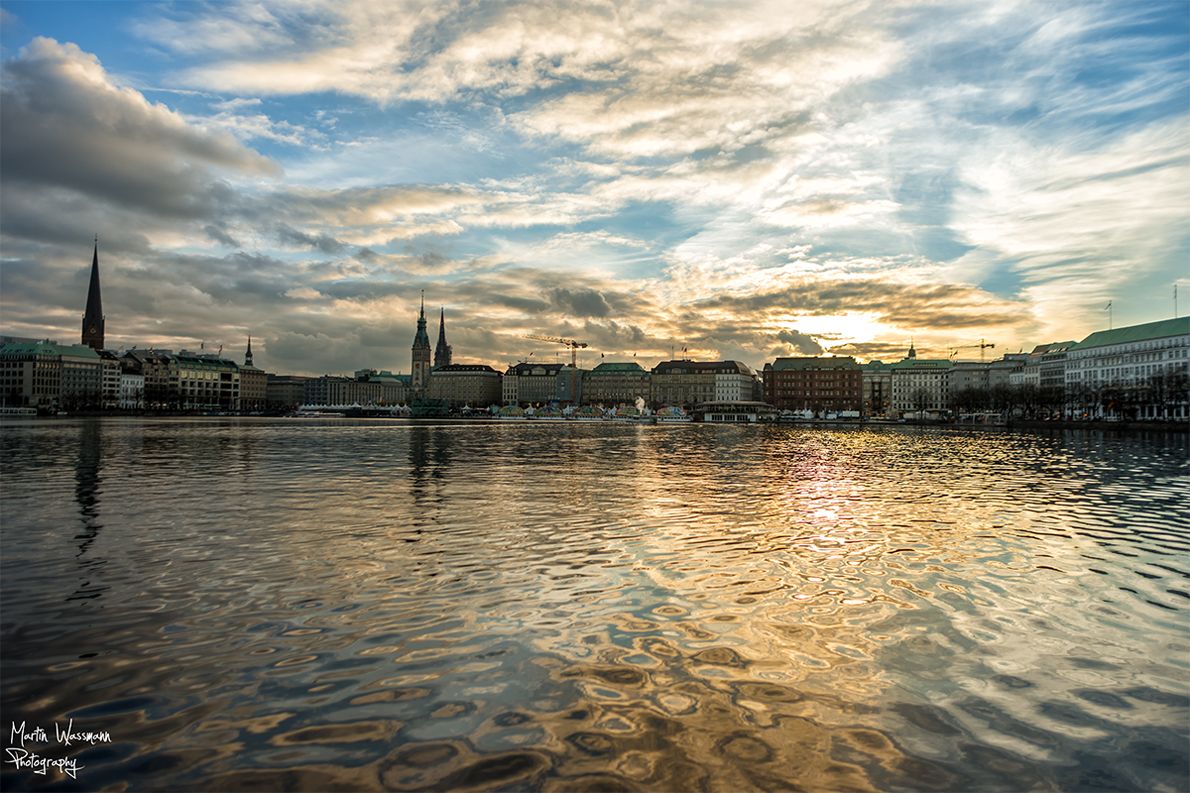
800	342
65	124
432	261
900	304
580	302
220	235
953	317
56	220
321	242
880	350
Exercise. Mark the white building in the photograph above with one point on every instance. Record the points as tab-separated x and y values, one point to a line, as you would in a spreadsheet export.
919	383
1044	367
1154	357
735	384
690	383
528	384
132	391
111	379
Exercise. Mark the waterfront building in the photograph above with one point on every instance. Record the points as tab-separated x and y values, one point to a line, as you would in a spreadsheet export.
735	382
736	412
285	391
331	389
877	384
569	385
93	319
254	383
528	384
205	382
382	387
1110	369
421	353
615	384
110	390
1052	369
691	383
967	376
45	374
1002	370
820	384
442	352
132	391
459	384
1027	374
368	388
1044	367
160	376
394	388
920	384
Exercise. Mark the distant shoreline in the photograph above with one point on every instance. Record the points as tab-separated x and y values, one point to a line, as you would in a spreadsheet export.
1011	425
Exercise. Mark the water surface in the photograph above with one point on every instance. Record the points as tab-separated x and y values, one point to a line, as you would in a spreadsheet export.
407	606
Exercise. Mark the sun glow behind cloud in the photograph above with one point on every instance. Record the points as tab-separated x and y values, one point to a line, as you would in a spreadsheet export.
744	180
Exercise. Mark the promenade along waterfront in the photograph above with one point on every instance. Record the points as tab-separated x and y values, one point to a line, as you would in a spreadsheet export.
392	605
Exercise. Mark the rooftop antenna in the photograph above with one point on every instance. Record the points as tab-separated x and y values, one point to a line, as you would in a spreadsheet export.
1109	315
1175	301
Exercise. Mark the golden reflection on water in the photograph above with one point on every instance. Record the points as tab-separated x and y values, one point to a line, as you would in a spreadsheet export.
408	606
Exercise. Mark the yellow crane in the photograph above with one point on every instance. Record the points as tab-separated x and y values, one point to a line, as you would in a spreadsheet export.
571	343
982	346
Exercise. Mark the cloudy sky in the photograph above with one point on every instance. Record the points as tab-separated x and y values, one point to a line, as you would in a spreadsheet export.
743	181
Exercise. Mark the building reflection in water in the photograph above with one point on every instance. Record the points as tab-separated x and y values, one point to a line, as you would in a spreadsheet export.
87	490
430	456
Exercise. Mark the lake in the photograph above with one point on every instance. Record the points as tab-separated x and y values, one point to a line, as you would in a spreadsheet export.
316	604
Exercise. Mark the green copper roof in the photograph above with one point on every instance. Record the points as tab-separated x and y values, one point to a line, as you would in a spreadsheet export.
1145	332
923	363
389	377
48	347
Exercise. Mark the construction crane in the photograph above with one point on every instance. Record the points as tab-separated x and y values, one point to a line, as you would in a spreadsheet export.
571	343
982	346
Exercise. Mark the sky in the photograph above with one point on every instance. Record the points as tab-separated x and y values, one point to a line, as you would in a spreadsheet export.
735	180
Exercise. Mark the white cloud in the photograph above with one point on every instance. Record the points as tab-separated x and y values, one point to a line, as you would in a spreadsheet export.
1080	224
303	293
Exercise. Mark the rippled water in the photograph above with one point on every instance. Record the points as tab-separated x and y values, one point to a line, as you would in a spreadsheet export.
384	605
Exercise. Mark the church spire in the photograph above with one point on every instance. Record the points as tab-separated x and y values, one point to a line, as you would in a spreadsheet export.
93	316
442	353
248	354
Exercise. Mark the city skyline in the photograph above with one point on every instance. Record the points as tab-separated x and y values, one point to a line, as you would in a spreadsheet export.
731	181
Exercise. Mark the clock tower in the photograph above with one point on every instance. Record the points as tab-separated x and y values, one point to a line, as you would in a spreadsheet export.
421	352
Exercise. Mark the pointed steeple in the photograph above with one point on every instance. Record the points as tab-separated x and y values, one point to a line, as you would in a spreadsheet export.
442	352
420	370
421	338
93	316
248	354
